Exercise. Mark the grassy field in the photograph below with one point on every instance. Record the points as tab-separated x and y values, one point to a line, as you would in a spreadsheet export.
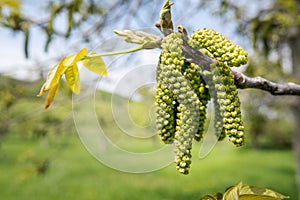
73	173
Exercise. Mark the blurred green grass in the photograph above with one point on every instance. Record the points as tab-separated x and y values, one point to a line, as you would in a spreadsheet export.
74	174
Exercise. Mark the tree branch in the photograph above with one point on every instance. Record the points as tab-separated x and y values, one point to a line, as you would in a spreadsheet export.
241	80
194	56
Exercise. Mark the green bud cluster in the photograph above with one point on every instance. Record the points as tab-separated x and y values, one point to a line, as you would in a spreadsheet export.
219	47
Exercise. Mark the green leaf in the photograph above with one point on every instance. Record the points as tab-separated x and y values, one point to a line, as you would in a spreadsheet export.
72	77
95	64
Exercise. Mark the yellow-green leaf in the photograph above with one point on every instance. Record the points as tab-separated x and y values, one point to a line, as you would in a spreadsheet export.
53	77
55	73
73	59
247	189
42	90
258	196
67	66
72	77
232	193
51	95
95	64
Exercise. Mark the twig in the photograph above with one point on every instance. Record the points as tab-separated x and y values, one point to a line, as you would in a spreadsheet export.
194	56
242	81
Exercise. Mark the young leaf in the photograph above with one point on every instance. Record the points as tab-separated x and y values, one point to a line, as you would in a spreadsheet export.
72	77
247	189
53	77
66	66
146	40
218	196
50	96
73	59
232	192
258	196
95	64
247	192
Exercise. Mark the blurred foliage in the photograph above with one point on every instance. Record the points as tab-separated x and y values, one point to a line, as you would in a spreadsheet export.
22	118
23	114
269	27
269	124
76	11
269	120
272	27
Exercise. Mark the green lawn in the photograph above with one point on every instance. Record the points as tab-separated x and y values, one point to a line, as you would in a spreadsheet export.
74	174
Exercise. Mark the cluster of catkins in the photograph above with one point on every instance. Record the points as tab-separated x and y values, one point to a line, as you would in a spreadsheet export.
183	90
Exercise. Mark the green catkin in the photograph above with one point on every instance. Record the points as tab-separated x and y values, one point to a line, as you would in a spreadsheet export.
230	106
188	103
165	108
222	88
166	113
183	91
219	47
214	93
228	118
193	73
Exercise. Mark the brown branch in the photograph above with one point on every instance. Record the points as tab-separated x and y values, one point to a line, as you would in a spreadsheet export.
242	81
194	56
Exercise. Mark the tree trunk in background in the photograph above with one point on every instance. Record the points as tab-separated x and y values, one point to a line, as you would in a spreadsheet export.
295	47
